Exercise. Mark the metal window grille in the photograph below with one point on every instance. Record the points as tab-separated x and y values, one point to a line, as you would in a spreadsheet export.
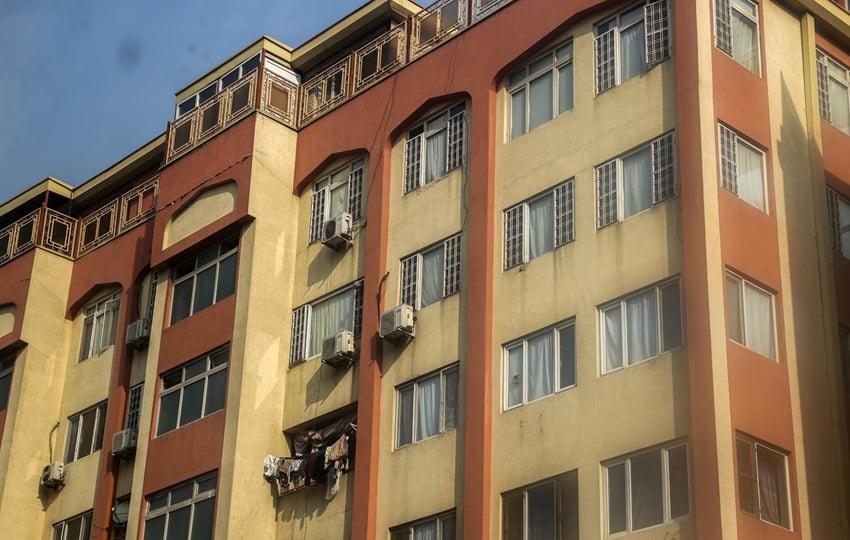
832	200
514	236
657	28
409	279
605	61
317	214
134	407
606	194
728	159
358	308
451	276
663	169
355	193
823	88
565	226
300	324
723	26
455	141
412	162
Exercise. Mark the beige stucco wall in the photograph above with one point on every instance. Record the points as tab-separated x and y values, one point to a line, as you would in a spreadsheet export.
208	206
7	319
603	416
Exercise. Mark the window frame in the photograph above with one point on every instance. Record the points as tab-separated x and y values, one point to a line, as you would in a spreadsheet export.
60	529
7	371
411	272
398	532
560	483
302	322
220	353
75	430
133	413
100	322
743	283
519	230
621	304
212	89
834	203
192	275
827	66
197	497
415	160
723	34
522	342
729	175
323	189
754	445
523	84
443	374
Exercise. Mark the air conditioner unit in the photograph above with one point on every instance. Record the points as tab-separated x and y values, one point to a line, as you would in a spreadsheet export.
338	351
53	475
124	442
336	232
397	324
138	333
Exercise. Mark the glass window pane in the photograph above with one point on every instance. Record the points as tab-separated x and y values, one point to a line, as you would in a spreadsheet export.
204	289
404	417
450	414
428	407
751	176
773	487
193	399
616	498
844	227
216	384
157	501
541	221
182	301
87	433
178	522
745	38
567	356
677	462
514	382
637	182
168	409
746	476
98	436
839	105
541	512
226	278
758	310
5	385
432	276
647	490
329	317
541	366
195	368
512	516
734	318
207	484
73	528
449	528
425	531
613	338
642	326
202	521
540	100
565	88
182	493
207	256
633	51
517	113
155	528
73	428
435	155
671	320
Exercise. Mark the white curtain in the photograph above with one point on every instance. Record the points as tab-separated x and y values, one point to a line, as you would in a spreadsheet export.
541	221
772	489
759	321
541	366
750	176
515	380
734	320
428	407
540	100
637	182
745	38
425	531
632	51
435	148
432	276
339	200
642	326
329	317
541	512
839	105
613	338
517	113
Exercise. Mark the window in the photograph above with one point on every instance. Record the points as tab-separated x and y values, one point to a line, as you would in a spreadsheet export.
641	326
76	528
844	351
635	181
427	406
547	509
99	326
540	224
183	512
540	365
838	209
742	169
833	93
205	279
737	31
85	433
630	43
7	367
541	90
341	191
434	148
431	275
324	318
134	407
647	488
208	92
193	391
749	316
763	481
442	527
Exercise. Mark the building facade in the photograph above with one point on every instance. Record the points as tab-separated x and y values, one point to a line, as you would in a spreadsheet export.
487	269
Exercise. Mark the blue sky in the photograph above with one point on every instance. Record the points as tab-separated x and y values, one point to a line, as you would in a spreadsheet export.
85	82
